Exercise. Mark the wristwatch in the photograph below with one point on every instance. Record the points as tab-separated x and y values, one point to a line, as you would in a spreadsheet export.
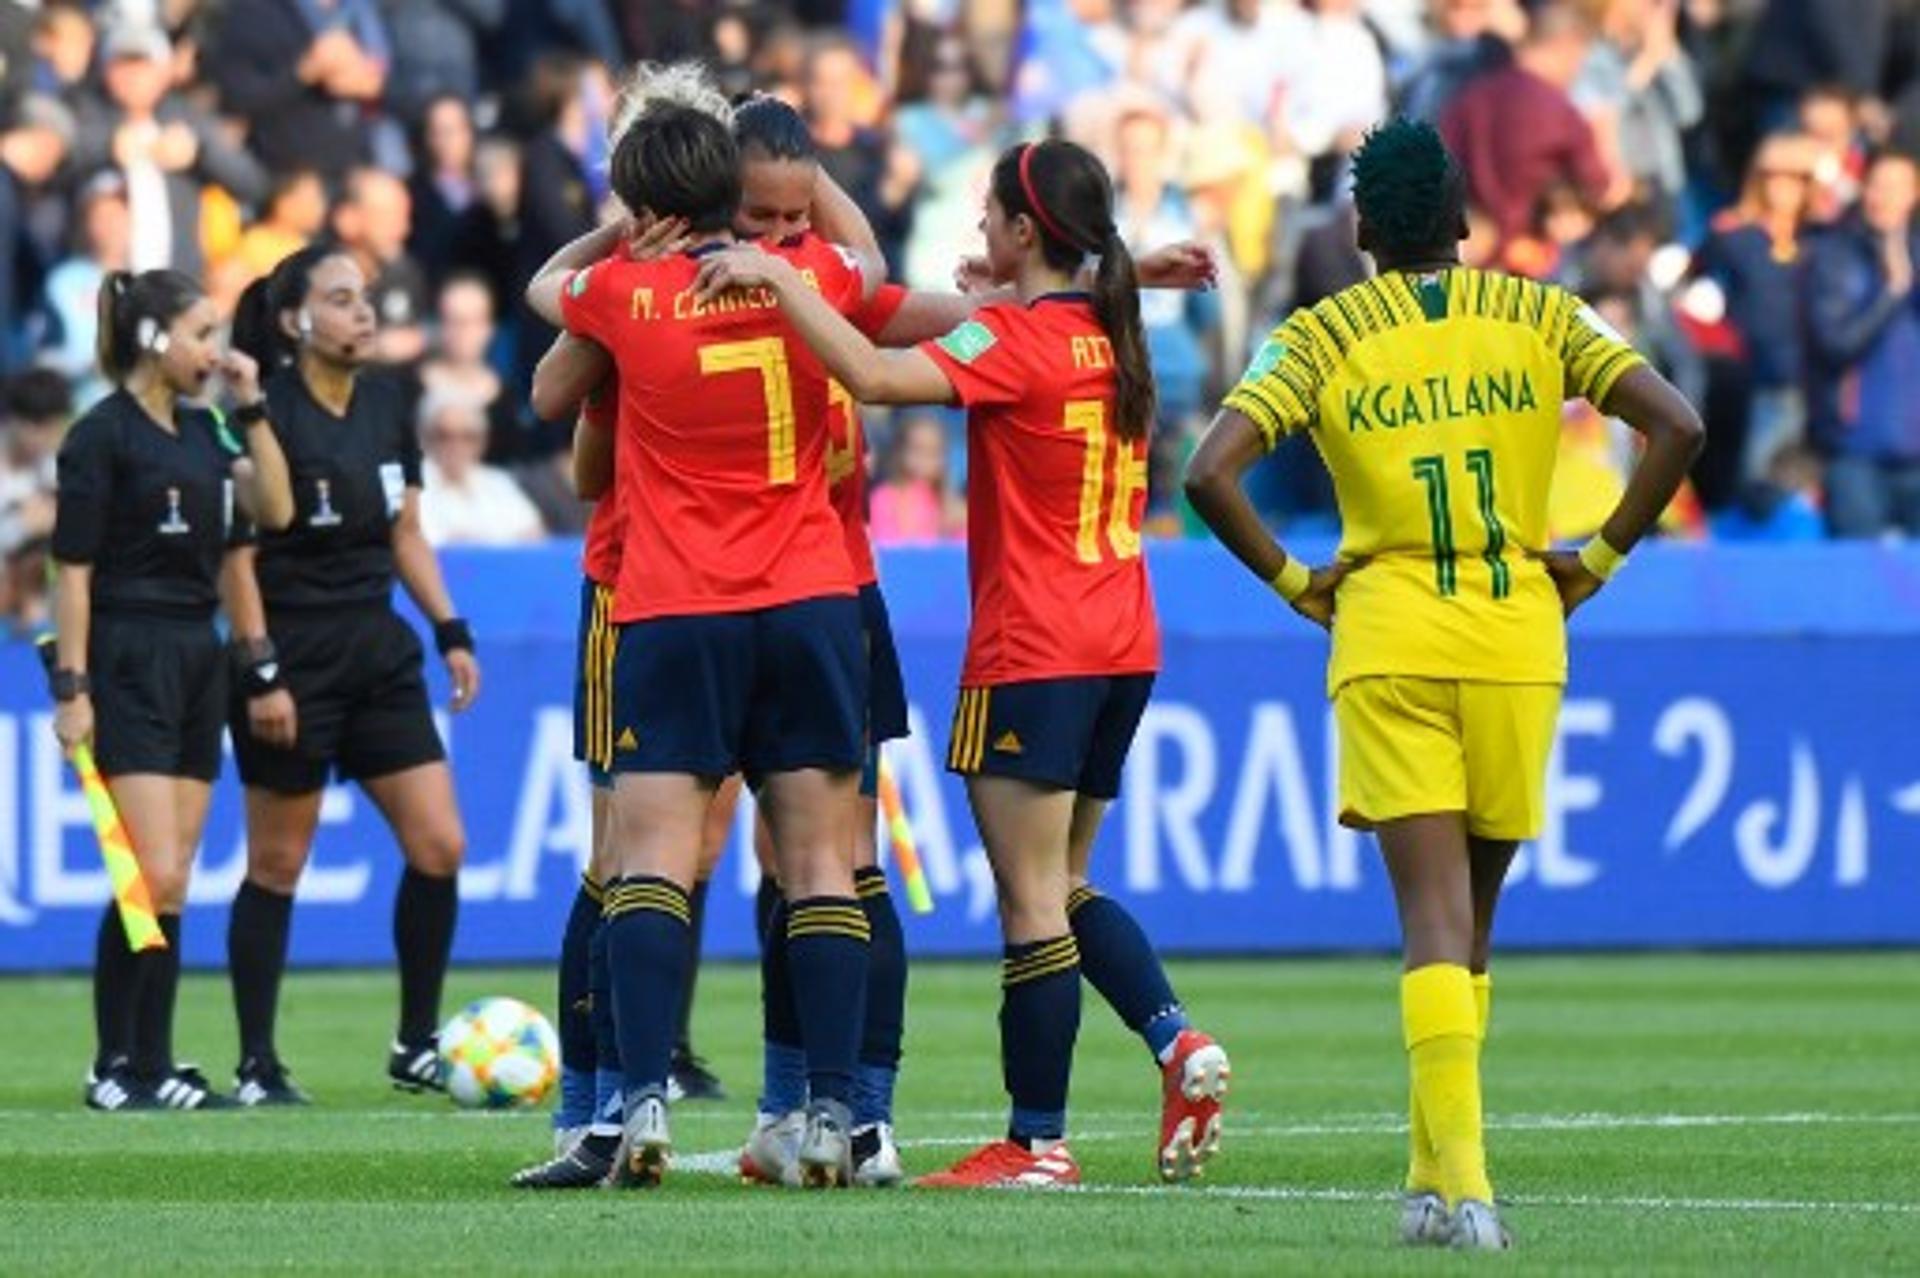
68	684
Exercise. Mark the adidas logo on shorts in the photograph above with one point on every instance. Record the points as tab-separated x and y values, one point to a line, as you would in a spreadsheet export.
627	741
1008	742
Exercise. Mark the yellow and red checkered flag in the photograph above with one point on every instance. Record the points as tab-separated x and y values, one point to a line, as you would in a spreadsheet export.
116	849
900	839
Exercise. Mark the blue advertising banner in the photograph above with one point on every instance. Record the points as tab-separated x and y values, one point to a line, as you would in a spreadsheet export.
1738	764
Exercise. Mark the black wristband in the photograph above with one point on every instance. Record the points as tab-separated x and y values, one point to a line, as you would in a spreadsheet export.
452	633
66	685
259	666
249	414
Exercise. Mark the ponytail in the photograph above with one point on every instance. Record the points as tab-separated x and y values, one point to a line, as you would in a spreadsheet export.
135	312
1067	193
256	317
1116	304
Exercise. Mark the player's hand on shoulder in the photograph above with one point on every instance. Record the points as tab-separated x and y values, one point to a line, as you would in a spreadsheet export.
1571	578
743	266
273	718
660	237
464	669
73	722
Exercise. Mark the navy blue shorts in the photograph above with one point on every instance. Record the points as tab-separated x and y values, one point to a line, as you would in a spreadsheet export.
886	688
775	690
1066	734
593	681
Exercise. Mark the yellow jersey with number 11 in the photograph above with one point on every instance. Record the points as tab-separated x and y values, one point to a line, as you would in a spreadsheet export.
1435	400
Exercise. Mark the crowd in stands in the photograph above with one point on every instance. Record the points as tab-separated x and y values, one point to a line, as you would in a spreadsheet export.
1731	183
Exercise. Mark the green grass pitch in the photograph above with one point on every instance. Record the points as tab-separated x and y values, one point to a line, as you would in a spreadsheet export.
1739	1113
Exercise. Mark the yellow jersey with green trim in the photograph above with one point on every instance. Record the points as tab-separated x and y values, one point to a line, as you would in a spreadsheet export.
1435	400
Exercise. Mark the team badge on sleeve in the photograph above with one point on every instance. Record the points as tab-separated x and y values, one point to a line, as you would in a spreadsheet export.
577	286
1266	359
968	342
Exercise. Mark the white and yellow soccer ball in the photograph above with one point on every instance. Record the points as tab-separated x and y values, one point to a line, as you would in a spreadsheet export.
498	1053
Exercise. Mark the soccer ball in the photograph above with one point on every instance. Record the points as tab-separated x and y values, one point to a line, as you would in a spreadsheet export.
498	1053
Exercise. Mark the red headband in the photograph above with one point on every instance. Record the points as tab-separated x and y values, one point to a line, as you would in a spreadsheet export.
1033	199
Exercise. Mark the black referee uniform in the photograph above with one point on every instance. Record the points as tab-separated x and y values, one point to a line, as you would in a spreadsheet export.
355	669
152	513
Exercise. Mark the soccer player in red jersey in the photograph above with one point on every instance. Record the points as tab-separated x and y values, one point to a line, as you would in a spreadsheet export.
1064	644
740	646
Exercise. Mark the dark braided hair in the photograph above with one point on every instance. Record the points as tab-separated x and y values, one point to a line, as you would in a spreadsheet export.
1409	192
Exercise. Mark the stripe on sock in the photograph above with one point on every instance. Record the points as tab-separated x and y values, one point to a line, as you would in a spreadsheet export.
871	881
645	892
1080	896
1052	956
808	919
595	893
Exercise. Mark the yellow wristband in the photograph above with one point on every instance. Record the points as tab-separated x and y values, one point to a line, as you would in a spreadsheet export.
1600	559
1291	581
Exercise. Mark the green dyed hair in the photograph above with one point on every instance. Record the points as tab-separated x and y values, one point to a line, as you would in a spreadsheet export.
1410	194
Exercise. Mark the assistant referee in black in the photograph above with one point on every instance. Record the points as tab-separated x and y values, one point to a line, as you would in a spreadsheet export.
331	679
152	489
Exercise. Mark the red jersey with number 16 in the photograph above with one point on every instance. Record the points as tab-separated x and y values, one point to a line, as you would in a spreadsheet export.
1055	498
607	526
721	452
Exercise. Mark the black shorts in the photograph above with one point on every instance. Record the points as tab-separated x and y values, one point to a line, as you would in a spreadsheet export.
775	690
593	680
159	696
359	686
886	688
1066	734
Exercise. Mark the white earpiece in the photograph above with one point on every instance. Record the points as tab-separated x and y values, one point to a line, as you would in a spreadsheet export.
151	336
305	322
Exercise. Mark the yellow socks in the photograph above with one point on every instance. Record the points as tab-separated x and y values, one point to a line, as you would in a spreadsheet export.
1440	1013
1423	1164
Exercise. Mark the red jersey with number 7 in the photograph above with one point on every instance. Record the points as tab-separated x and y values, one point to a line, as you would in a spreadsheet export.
721	452
1055	497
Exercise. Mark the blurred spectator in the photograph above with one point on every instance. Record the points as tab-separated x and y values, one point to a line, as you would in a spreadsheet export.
1640	87
1561	224
1251	50
371	223
1801	44
459	365
1618	261
1829	116
563	182
73	287
1151	212
1516	131
1784	505
37	406
486	240
295	213
463	500
443	185
305	75
1343	91
167	148
64	41
1864	375
950	124
34	143
1330	258
435	51
1470	38
911	500
1753	254
880	176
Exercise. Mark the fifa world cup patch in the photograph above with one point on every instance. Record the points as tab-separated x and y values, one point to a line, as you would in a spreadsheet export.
577	286
1266	359
968	342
